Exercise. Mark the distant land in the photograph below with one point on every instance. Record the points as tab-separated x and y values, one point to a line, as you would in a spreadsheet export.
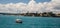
45	14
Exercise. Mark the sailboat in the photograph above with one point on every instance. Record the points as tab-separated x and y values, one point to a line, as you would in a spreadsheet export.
18	20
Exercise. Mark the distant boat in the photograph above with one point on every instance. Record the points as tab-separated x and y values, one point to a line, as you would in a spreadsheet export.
18	21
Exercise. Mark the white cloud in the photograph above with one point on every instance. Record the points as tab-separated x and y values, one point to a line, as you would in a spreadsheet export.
32	7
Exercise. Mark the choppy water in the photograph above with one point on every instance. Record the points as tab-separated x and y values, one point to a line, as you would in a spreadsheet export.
29	22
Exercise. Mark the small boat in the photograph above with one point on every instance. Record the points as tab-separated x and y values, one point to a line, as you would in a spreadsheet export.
18	21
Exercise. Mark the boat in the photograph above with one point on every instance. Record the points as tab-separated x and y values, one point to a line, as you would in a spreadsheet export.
18	21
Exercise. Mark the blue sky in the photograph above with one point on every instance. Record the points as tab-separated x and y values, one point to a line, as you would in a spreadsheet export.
17	1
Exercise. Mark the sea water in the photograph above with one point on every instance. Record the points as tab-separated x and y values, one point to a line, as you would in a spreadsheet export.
9	21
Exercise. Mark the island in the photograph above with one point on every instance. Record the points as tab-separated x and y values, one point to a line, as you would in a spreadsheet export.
44	14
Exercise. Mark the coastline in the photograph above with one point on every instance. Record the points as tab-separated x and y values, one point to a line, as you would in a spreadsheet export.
45	14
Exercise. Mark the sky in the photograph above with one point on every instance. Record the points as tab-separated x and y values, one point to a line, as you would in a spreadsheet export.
24	1
33	6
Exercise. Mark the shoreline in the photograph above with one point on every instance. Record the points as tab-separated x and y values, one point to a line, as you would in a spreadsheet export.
45	14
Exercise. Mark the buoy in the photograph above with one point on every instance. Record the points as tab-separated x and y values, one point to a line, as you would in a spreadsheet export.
18	21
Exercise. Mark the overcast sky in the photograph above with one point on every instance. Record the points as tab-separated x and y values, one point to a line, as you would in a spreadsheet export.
33	6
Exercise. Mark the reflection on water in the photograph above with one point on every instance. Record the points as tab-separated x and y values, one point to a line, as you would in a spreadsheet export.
29	22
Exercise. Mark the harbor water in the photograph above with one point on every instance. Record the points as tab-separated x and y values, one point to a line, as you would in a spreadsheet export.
9	21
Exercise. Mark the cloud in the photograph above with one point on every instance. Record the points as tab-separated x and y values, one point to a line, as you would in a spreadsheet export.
32	7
